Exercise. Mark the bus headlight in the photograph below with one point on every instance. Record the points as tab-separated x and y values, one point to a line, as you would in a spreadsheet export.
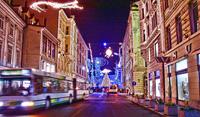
28	103
1	103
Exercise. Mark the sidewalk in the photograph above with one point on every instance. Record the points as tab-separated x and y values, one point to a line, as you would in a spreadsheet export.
147	108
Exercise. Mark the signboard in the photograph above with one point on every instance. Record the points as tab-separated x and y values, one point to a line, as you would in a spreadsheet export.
15	72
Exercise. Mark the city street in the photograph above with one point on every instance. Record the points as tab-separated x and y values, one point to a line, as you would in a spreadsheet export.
97	105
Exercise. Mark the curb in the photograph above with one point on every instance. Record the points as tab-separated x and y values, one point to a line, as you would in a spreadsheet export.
150	109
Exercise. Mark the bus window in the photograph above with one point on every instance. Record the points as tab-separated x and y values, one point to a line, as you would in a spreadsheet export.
15	87
38	88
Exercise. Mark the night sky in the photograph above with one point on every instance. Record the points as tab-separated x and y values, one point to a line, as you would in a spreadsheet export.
102	21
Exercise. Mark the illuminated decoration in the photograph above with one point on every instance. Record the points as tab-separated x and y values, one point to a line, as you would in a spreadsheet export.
106	80
55	5
105	44
109	52
106	71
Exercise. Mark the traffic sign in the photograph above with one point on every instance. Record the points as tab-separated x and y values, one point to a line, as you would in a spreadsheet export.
133	83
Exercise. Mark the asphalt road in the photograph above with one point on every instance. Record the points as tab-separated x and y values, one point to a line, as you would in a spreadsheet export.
97	105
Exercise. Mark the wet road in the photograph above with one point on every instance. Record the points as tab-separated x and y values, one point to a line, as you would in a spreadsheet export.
97	105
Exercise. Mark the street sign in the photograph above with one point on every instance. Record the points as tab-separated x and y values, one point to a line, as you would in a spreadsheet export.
133	83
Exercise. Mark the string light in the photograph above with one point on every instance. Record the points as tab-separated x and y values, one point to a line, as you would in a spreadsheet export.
68	5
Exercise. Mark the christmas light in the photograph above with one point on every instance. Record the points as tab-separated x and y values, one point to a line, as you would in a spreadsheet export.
68	5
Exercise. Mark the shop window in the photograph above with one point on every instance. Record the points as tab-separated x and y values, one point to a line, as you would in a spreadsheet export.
157	76
182	80
150	84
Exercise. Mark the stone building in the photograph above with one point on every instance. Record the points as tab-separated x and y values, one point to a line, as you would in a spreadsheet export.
127	61
40	49
182	48
151	45
82	55
134	64
11	36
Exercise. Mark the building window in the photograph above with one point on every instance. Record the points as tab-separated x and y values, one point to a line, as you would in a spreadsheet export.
150	84
154	21
67	30
142	13
168	41
53	49
149	52
1	22
198	62
144	38
11	31
19	36
147	8
193	10
66	48
44	45
182	80
179	33
169	82
157	77
166	4
49	48
18	59
156	49
9	54
148	30
1	52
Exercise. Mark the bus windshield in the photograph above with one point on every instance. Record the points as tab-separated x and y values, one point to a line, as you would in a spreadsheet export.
15	87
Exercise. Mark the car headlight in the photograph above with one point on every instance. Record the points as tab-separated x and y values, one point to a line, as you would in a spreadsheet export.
28	103
1	103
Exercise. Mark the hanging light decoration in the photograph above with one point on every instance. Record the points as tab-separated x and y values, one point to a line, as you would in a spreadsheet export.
68	5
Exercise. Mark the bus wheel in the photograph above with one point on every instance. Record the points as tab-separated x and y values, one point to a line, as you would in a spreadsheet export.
47	103
83	96
70	100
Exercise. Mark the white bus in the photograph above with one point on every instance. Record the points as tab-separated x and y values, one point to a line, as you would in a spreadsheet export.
28	89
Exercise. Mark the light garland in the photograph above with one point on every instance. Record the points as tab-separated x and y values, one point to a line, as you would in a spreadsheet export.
68	5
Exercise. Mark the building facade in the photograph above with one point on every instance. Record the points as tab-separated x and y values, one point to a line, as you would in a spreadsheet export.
43	53
139	69
182	48
127	60
11	36
151	45
82	57
134	65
